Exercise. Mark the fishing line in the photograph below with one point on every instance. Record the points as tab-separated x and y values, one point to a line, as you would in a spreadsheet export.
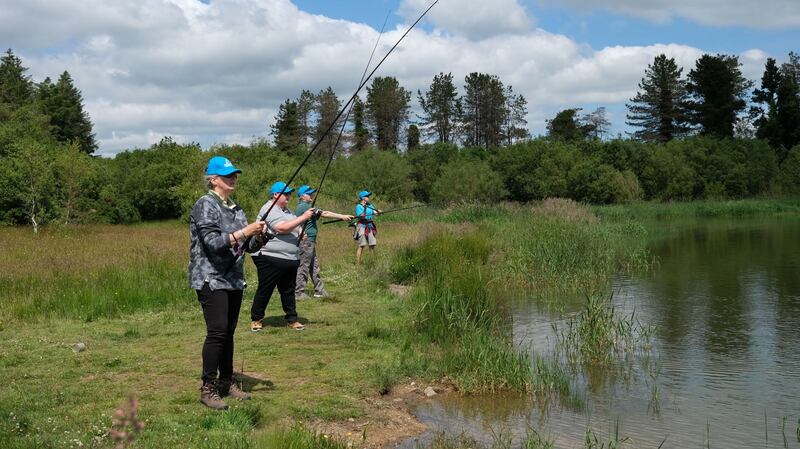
344	123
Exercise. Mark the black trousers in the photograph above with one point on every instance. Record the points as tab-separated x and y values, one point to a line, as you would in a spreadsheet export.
275	272
221	312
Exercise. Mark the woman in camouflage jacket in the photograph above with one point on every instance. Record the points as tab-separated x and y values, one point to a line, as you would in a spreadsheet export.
219	237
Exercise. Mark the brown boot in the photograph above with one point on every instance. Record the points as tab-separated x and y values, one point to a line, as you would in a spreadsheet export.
229	388
209	396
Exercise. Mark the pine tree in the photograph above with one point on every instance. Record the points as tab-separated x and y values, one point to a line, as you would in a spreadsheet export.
69	122
360	133
287	129
305	109
515	121
484	110
766	121
327	107
717	88
596	122
387	111
16	88
787	104
441	107
412	137
659	107
566	125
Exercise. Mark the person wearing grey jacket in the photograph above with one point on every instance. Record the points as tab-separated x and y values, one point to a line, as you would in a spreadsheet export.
219	237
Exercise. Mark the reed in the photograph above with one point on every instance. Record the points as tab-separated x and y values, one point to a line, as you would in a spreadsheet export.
600	336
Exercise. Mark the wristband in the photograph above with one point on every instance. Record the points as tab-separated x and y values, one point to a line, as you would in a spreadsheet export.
242	233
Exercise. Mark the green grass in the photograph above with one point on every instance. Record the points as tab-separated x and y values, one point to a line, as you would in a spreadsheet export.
121	290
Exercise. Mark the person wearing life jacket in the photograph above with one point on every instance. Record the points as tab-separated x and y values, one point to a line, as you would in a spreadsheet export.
366	232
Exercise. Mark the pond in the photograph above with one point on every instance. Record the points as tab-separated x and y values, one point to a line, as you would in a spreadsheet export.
724	368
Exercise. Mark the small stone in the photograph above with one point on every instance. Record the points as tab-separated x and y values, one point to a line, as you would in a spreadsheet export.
351	419
413	384
78	347
430	392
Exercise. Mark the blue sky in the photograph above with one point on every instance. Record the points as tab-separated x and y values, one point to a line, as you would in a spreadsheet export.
595	27
215	71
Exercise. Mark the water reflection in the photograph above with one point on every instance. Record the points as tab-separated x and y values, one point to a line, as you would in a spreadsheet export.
725	301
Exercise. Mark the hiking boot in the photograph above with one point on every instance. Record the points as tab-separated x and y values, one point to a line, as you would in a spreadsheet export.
256	326
230	388
298	326
322	294
210	397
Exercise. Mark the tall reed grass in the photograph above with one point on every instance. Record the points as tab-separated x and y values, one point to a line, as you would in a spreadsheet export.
453	309
600	335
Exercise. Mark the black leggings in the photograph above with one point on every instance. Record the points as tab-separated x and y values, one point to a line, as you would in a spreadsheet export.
272	272
221	311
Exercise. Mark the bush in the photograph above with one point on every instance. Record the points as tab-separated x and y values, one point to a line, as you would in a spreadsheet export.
789	178
467	181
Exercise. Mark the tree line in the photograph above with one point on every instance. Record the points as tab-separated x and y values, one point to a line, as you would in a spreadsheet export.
488	114
694	138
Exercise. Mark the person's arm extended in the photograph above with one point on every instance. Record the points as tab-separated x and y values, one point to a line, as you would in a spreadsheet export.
329	214
288	226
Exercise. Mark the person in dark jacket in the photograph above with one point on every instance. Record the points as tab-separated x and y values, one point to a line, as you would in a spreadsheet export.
219	237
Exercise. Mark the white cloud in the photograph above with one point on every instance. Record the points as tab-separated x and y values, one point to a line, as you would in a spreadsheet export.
472	18
218	72
764	14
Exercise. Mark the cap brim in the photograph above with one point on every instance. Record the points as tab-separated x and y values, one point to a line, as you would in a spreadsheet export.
310	191
228	171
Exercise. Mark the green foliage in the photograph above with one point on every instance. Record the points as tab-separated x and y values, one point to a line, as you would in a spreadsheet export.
441	108
287	130
484	184
148	177
717	87
567	126
387	109
484	110
383	172
63	103
790	172
658	109
16	88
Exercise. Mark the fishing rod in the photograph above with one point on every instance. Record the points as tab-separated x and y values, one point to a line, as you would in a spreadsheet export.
381	213
341	131
339	115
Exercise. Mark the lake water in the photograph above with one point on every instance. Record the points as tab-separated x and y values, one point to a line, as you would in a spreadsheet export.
724	302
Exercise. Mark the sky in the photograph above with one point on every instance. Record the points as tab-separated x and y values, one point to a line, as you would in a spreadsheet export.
215	71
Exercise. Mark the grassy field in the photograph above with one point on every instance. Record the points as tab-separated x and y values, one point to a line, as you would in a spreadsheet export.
121	291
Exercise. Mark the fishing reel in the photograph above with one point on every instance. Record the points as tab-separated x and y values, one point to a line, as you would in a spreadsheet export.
317	212
268	235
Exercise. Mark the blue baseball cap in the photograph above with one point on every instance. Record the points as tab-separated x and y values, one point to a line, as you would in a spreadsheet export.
305	190
279	187
363	194
220	166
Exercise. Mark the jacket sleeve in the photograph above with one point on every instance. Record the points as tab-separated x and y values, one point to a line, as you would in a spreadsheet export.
206	218
252	244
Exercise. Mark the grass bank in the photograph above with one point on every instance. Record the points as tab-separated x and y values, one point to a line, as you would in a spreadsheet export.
767	207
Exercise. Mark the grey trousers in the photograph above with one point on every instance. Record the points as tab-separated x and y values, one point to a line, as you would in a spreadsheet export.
309	264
